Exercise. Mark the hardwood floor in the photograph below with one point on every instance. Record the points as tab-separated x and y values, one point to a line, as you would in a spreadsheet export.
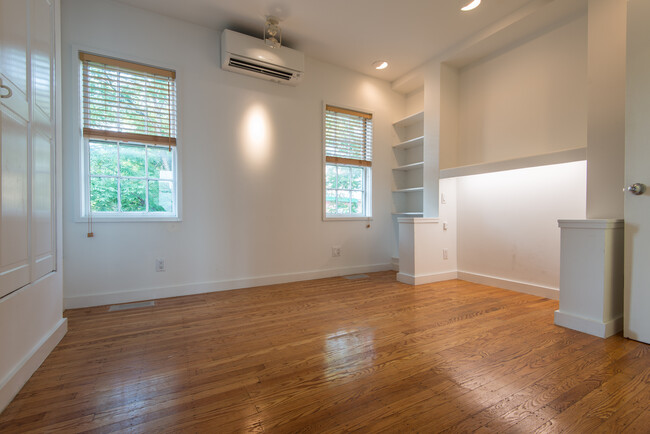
335	355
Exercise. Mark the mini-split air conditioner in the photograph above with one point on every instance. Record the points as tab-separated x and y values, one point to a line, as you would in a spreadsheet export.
251	56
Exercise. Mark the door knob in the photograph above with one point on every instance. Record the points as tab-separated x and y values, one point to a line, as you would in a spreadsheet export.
636	188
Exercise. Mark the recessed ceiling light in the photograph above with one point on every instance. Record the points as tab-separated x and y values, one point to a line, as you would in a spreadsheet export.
471	5
380	64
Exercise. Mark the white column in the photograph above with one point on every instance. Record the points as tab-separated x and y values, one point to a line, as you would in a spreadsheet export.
606	108
591	276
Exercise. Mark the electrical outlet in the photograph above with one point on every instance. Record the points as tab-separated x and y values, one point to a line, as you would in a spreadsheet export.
445	254
336	251
160	264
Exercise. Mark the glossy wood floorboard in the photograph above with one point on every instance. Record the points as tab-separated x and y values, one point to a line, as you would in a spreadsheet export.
334	355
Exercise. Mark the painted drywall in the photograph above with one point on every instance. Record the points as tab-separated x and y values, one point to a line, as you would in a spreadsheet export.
528	100
249	215
606	115
448	224
507	221
430	261
431	169
449	115
415	101
31	321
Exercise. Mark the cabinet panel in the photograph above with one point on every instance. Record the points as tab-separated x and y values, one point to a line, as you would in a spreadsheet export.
42	222
27	229
41	48
42	209
14	228
13	53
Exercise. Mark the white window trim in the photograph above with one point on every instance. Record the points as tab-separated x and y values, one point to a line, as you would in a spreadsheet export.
81	155
368	180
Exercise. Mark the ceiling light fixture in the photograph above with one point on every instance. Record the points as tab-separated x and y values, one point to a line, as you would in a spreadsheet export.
471	5
272	32
380	64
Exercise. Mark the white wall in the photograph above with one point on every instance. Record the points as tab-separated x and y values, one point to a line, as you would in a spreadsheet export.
449	115
528	100
447	238
415	101
507	222
245	218
606	115
432	107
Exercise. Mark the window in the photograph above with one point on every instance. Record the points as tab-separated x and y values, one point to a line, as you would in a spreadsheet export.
130	178
129	138
348	163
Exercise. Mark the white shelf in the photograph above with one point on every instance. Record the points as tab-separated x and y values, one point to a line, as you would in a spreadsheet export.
408	190
411	166
576	154
412	214
410	130
418	141
410	120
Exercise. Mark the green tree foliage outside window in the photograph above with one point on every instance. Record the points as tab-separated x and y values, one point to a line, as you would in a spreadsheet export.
344	190
131	178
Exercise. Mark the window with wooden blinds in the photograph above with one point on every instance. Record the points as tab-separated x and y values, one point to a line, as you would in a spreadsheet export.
348	136
127	101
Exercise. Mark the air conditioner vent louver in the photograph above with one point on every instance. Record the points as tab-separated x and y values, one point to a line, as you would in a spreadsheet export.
251	56
242	64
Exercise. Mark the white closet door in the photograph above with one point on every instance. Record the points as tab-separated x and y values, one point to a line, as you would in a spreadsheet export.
13	55
42	54
14	145
42	235
14	227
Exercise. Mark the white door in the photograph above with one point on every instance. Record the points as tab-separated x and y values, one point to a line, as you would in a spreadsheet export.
27	243
637	170
14	145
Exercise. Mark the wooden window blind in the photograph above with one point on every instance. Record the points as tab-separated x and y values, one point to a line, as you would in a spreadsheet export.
128	101
348	136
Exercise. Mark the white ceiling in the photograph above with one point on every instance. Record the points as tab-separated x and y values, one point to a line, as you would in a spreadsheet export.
350	33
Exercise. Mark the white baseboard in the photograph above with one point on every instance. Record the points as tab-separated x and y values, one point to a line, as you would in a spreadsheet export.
513	285
16	379
426	278
395	262
589	326
204	287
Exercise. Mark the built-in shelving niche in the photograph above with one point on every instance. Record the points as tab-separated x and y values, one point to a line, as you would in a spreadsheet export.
409	162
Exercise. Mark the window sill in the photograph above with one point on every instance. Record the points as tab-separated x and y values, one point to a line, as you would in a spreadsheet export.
339	219
112	219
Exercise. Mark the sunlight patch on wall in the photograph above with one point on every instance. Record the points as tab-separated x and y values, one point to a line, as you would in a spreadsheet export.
256	135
